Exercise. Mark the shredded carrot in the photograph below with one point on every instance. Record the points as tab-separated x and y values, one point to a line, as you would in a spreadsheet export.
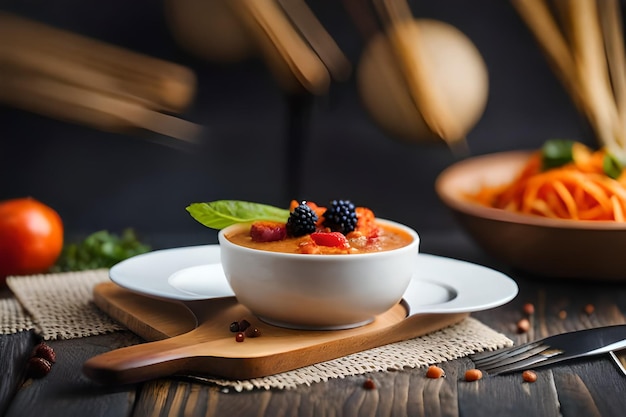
579	190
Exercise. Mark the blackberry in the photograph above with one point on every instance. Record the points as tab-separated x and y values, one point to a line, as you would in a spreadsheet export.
301	221
340	216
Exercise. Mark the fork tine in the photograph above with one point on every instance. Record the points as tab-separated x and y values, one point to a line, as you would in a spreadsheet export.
511	357
533	360
496	354
541	355
551	349
541	359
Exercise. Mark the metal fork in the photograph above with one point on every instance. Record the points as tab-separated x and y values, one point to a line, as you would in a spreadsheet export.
513	358
552	349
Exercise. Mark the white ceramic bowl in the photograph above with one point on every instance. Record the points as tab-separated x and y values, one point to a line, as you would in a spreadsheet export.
327	292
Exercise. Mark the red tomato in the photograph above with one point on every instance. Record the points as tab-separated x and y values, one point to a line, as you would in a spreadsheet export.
31	237
332	239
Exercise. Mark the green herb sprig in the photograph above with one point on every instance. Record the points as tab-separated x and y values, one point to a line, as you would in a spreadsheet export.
611	166
99	250
558	152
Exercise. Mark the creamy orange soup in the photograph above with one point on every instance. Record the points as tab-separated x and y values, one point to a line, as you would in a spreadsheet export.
388	238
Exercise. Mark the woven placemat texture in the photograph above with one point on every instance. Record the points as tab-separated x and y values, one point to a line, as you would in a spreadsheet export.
60	306
13	318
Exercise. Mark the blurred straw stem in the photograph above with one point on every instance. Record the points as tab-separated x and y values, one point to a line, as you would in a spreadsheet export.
417	70
288	56
589	54
577	51
72	103
94	64
613	31
74	78
320	41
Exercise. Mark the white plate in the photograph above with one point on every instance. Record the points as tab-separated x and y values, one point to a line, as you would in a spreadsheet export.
441	285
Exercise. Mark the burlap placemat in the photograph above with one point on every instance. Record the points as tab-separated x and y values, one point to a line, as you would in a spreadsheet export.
13	318
60	306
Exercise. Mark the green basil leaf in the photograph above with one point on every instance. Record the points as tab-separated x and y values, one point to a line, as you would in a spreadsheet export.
556	153
222	213
611	166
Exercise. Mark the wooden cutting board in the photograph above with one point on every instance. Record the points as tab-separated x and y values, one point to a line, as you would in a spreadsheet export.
193	338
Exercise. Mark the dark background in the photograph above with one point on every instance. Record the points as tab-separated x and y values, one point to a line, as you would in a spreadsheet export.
100	180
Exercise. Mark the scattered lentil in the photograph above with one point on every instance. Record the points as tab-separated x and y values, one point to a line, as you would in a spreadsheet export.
528	308
473	375
435	372
529	376
38	367
523	325
369	384
562	314
239	337
589	309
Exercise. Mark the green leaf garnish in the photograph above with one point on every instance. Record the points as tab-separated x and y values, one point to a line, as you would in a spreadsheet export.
556	153
222	213
611	166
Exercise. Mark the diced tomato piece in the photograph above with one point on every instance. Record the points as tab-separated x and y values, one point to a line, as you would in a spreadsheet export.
331	239
308	247
366	222
266	231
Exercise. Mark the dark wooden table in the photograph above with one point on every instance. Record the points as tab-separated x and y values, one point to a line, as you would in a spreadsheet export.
593	387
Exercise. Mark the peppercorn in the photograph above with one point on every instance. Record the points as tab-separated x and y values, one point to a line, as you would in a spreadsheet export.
252	332
38	367
46	352
234	326
243	325
239	337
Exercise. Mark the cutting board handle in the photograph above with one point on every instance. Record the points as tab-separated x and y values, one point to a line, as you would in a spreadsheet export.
141	362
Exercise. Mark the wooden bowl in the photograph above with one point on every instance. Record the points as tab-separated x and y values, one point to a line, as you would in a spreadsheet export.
554	248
